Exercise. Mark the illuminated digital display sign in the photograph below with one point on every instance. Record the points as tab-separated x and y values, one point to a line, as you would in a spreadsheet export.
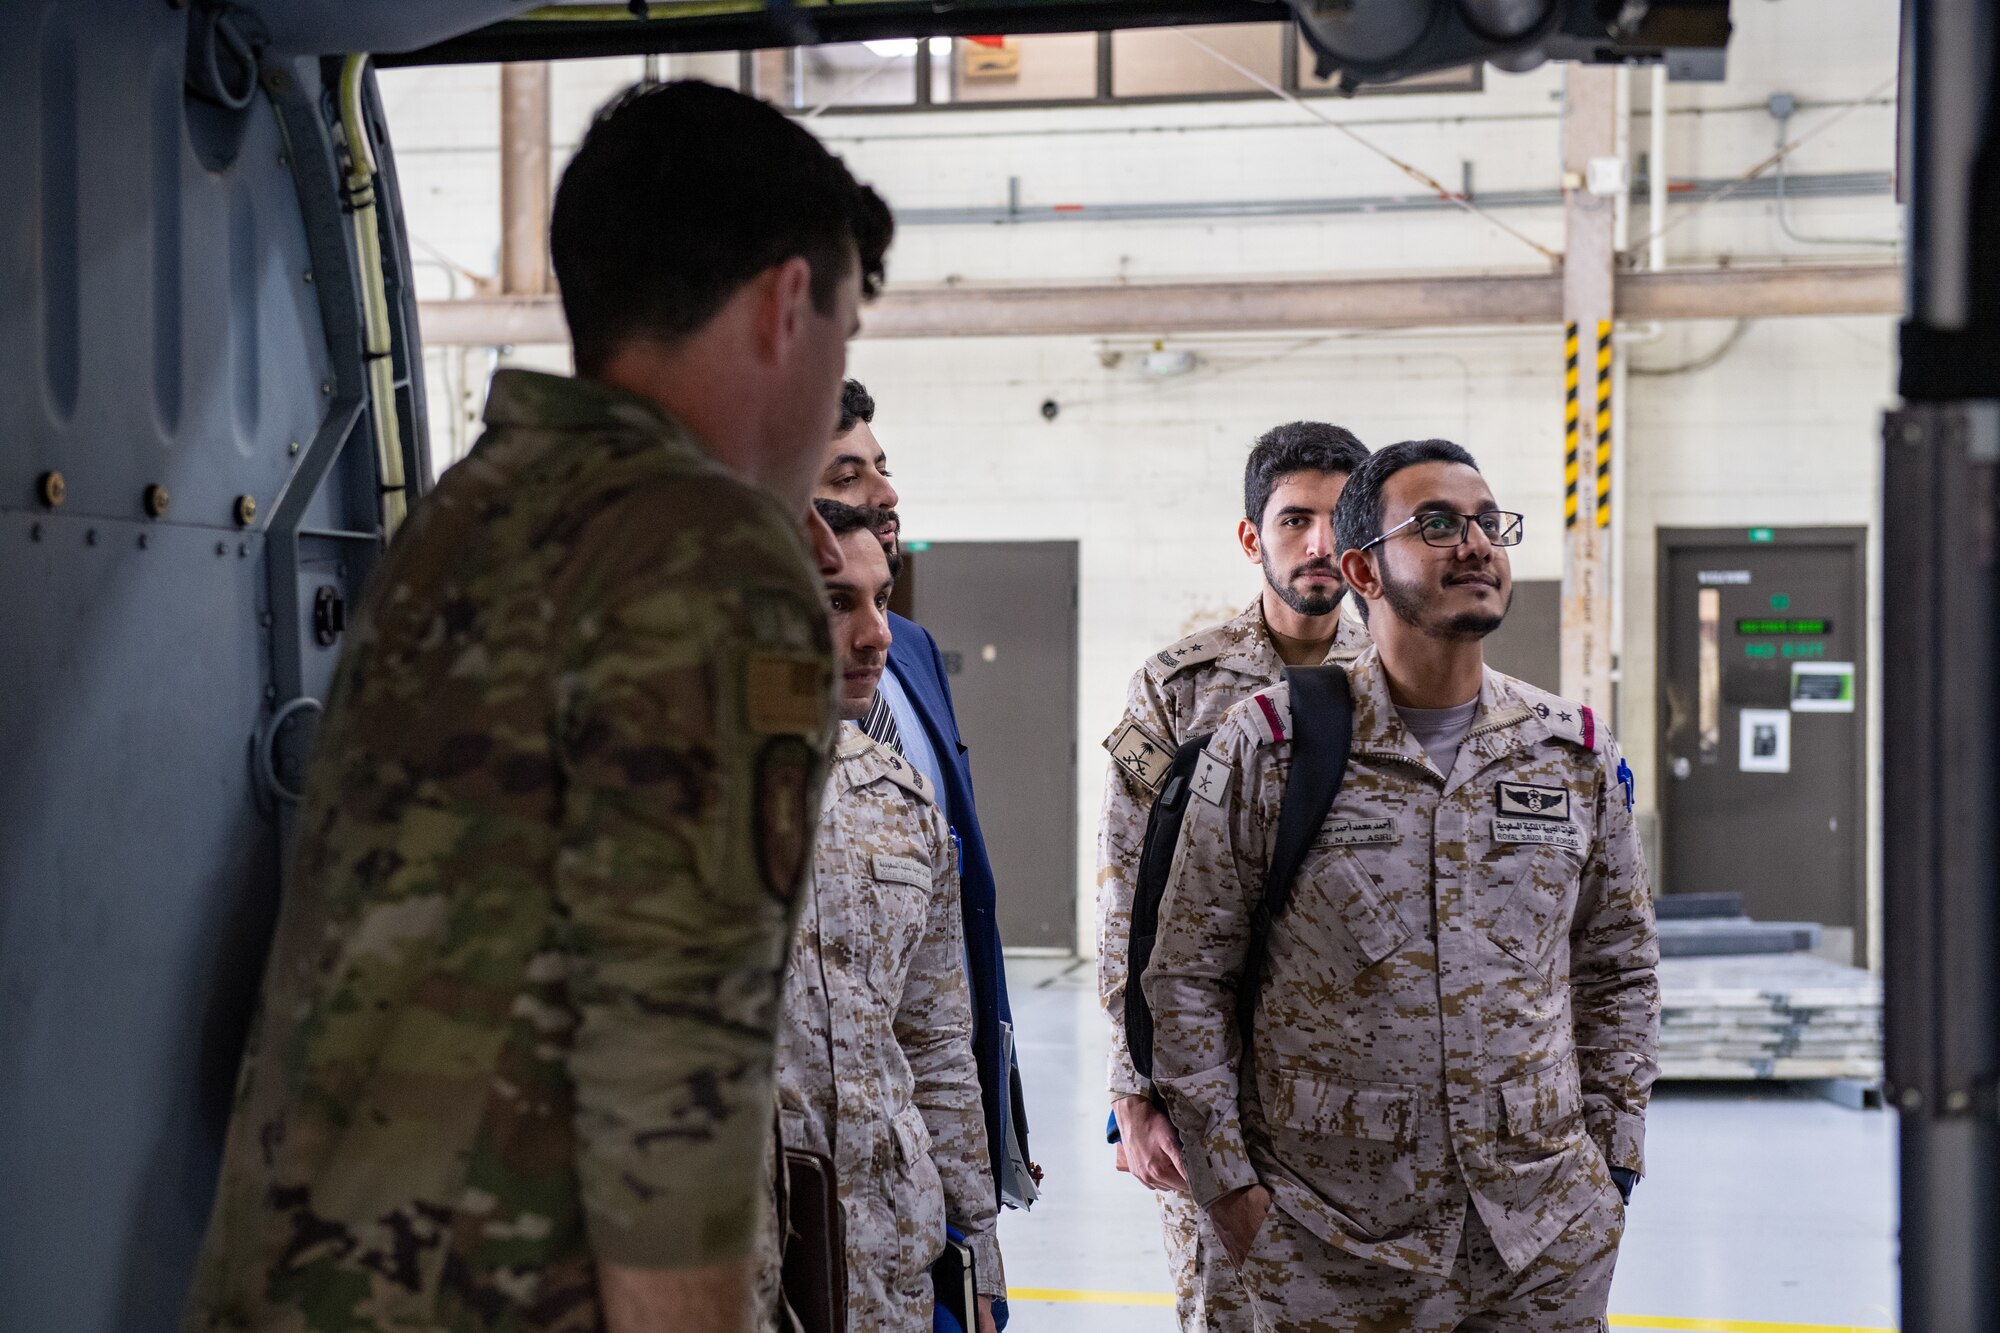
1784	627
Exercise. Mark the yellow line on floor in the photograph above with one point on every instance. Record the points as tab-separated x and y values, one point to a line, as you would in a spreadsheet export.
1654	1323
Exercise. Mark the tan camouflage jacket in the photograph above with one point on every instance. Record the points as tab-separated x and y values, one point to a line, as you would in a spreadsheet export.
1178	693
1459	1000
875	1061
522	1005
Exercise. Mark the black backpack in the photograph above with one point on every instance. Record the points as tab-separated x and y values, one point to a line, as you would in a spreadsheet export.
1322	732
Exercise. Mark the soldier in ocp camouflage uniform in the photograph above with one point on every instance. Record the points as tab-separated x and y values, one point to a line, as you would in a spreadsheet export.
512	1068
1291	481
875	1062
1445	1095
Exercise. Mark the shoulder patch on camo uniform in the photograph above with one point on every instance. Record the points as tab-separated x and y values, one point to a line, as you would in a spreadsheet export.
1270	713
1144	756
1176	658
1211	779
1565	718
786	694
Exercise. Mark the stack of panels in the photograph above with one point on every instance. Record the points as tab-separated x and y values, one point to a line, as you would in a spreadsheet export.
1776	1016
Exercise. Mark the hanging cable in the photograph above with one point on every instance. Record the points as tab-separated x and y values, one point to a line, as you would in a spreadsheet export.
377	344
1416	174
1784	151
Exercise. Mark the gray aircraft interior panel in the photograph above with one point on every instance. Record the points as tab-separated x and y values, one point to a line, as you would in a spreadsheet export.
180	309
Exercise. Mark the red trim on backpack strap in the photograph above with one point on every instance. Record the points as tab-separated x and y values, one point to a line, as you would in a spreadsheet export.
1271	716
1589	729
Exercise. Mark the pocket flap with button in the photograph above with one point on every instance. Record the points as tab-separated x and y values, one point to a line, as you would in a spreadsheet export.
1543	1099
1373	924
1321	1104
913	1136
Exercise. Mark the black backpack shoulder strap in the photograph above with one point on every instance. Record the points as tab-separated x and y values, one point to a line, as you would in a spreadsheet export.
1322	734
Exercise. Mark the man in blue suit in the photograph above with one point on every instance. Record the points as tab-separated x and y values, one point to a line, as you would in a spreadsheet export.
913	712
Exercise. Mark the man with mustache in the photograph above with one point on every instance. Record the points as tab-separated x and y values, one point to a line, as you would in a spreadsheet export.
1442	1107
875	1065
1291	482
912	714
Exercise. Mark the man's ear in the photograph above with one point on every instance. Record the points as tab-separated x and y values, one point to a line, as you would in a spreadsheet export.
1247	537
783	304
1359	571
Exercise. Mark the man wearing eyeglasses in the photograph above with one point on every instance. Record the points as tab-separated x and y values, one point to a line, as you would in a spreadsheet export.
1442	1113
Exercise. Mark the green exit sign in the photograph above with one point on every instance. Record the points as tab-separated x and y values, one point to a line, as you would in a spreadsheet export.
1763	535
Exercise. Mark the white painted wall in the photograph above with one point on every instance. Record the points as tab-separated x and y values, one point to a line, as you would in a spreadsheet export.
1145	474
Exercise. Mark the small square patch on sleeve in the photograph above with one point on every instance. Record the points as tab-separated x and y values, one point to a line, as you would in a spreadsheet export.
786	694
1211	779
1144	756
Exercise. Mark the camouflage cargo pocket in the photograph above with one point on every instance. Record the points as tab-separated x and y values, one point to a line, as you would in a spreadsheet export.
1543	1111
917	1195
1353	1143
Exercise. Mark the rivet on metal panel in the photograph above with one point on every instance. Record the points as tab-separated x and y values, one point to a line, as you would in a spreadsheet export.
144	541
156	501
243	551
90	537
265	620
222	548
295	447
52	489
35	532
309	275
325	388
270	691
246	510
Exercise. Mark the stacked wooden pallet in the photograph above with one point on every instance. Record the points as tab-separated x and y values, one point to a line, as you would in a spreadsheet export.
1769	1016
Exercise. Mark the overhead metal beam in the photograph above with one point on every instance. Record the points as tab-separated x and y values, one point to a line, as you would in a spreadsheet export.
1268	305
586	31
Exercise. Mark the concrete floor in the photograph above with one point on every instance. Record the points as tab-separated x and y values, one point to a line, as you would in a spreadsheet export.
1764	1212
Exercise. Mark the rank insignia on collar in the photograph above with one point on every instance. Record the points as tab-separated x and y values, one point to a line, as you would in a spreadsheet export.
1542	712
1517	799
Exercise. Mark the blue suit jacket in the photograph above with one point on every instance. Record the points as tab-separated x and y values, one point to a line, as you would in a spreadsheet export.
914	657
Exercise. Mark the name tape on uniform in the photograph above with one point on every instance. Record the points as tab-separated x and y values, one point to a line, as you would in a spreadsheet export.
1355	832
1211	779
1532	801
1140	753
902	870
1566	836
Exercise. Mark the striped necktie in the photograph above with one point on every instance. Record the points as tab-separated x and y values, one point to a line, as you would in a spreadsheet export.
880	723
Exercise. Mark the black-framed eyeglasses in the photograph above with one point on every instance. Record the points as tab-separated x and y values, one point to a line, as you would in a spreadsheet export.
1442	527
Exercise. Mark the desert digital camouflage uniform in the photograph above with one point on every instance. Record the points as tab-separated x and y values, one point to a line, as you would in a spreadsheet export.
521	1009
875	1065
1457	1031
1178	693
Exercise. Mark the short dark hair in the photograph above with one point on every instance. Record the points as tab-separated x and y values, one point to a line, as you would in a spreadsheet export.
844	518
856	405
1357	518
1296	446
680	194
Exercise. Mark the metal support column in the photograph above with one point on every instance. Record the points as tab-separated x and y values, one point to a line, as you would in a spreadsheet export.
524	179
1590	133
1941	677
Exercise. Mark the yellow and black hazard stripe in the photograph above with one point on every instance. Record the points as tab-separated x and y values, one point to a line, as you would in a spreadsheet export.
1603	423
1569	425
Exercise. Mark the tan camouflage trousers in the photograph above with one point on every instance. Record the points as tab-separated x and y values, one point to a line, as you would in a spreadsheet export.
1299	1284
1208	1293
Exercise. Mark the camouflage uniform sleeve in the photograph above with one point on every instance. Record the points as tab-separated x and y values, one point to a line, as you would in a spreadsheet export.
933	1025
1120	839
1614	950
694	719
1191	982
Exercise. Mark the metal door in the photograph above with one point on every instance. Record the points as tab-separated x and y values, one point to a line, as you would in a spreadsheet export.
1004	616
1762	720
